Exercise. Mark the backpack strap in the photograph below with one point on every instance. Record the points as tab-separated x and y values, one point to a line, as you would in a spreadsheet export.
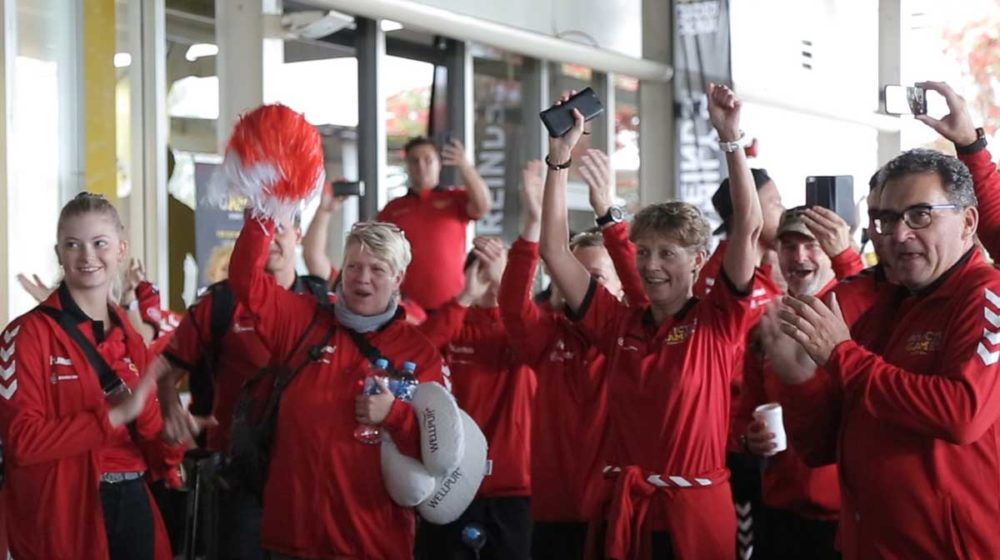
110	382
370	352
223	309
202	386
315	286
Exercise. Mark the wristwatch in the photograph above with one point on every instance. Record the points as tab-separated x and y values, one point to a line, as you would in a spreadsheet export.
742	142
974	147
615	215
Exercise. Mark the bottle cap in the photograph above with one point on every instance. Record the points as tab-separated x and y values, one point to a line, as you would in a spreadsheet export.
381	363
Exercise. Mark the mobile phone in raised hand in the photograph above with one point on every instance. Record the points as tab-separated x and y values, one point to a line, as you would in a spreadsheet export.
904	100
558	119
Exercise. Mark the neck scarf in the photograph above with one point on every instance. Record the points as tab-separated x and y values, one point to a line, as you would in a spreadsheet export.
363	323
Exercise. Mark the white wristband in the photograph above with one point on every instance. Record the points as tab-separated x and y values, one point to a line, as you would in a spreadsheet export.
742	142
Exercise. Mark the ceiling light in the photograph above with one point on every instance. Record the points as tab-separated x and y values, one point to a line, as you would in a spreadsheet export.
388	25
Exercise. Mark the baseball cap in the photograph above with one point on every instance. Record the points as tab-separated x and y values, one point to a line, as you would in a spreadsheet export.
722	200
791	222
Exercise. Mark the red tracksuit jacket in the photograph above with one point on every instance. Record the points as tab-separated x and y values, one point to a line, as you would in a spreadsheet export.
919	401
787	482
493	387
668	398
57	438
986	179
325	496
241	355
569	417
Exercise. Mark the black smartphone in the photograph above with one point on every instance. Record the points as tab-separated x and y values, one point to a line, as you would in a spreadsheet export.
442	139
348	188
833	192
558	119
904	100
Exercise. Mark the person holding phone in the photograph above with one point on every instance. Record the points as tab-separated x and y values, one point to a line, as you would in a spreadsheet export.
971	148
669	362
569	415
434	218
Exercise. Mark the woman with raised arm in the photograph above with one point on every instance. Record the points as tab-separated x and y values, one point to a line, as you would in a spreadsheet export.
670	361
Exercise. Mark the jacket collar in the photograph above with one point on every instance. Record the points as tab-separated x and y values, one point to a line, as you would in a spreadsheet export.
69	306
951	277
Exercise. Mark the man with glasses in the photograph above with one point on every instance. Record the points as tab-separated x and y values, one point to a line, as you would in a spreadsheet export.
915	394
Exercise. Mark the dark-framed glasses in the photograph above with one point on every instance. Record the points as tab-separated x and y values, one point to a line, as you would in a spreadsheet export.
918	216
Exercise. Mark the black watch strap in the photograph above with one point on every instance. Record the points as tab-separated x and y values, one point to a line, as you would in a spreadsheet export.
974	147
558	166
613	215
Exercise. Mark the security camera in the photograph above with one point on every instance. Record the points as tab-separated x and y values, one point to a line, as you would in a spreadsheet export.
314	24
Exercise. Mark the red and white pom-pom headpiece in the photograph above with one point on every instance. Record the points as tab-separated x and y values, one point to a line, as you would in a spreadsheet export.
274	158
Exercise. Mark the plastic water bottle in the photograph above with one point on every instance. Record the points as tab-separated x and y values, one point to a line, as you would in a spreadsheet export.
366	433
403	385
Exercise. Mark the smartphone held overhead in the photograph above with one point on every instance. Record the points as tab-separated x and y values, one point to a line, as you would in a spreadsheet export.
558	119
912	100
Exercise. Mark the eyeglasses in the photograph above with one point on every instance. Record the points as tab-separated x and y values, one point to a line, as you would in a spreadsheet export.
918	216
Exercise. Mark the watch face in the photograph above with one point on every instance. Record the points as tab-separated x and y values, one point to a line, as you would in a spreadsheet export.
617	214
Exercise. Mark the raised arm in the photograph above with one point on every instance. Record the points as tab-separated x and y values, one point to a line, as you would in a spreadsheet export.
445	324
597	173
569	275
528	328
314	242
958	128
740	257
280	316
475	186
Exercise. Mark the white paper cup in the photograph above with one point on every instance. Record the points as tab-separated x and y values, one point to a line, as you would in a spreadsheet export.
770	415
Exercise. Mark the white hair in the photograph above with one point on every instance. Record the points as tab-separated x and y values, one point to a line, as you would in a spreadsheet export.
386	241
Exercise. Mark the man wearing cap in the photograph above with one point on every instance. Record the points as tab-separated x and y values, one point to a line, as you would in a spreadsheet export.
802	504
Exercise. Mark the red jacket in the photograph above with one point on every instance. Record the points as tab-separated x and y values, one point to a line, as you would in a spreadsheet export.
493	387
241	355
163	321
787	481
918	439
648	364
986	179
57	438
569	418
324	495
